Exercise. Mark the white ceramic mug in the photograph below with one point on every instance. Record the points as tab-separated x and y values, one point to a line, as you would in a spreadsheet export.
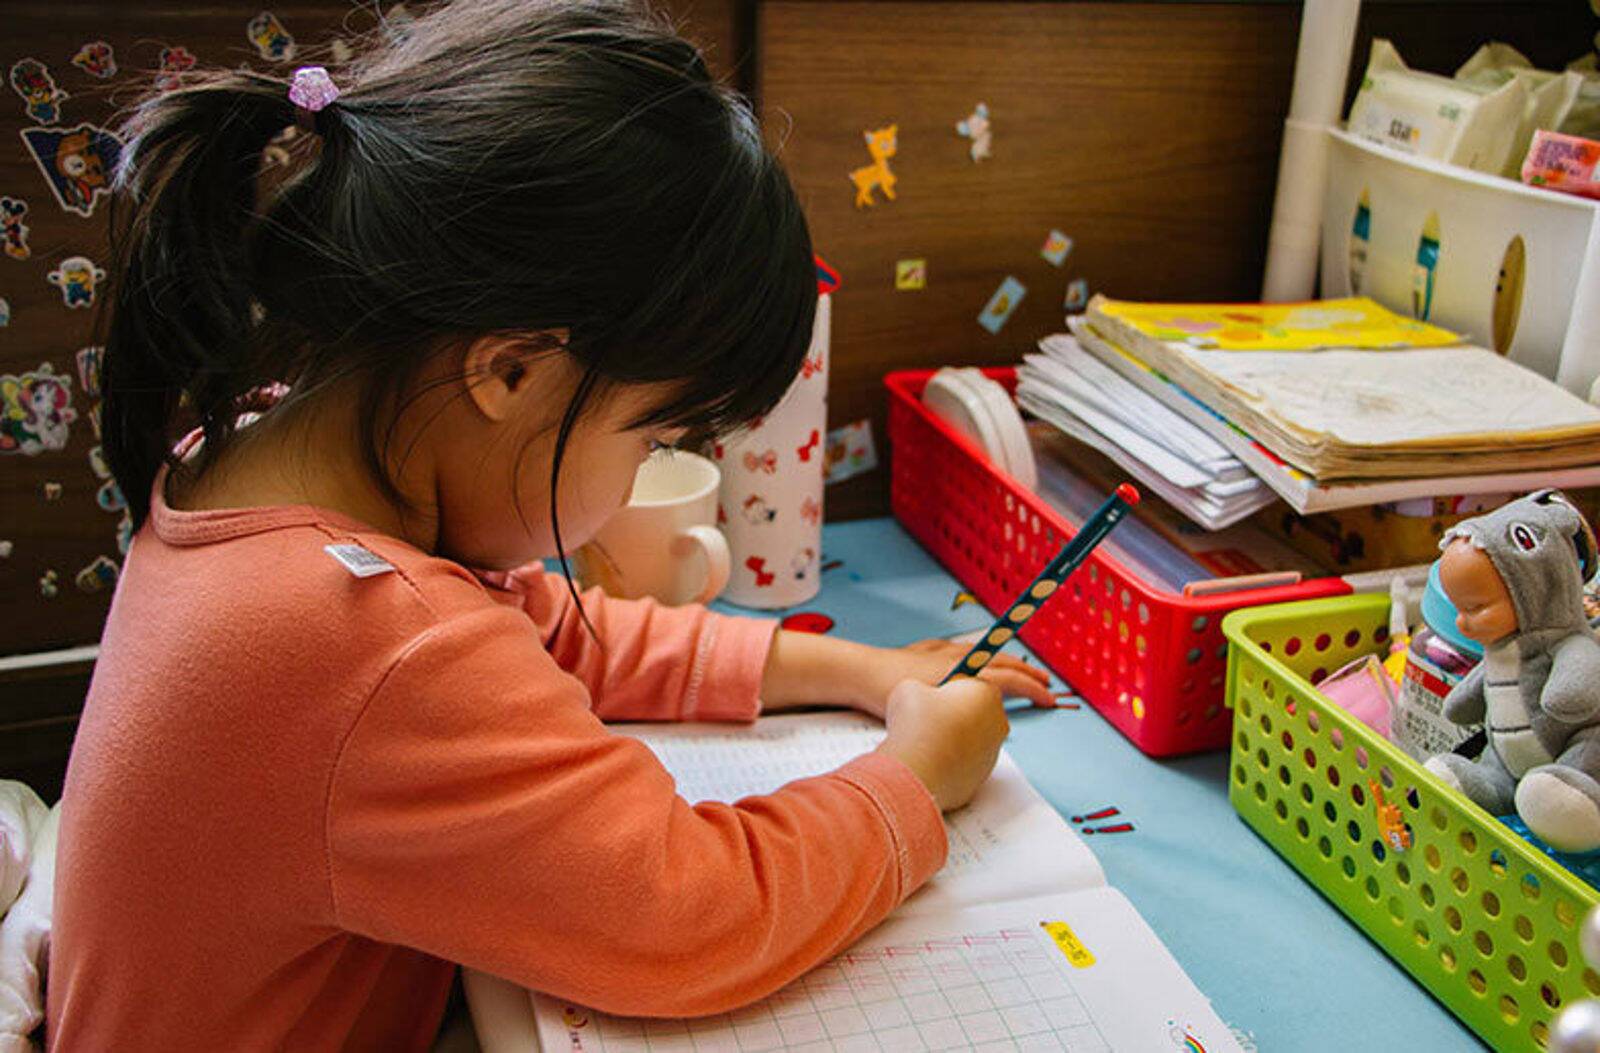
664	542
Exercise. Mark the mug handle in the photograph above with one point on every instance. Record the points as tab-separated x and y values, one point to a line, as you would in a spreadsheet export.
718	561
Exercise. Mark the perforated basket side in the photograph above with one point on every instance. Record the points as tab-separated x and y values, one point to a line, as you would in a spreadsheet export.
1150	661
1480	918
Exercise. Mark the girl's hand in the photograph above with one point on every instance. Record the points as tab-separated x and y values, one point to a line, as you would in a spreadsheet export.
807	670
927	661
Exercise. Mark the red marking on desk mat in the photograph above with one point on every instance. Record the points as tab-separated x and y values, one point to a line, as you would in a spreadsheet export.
807	622
1110	811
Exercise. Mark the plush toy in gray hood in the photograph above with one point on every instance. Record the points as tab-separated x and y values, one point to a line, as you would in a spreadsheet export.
1516	578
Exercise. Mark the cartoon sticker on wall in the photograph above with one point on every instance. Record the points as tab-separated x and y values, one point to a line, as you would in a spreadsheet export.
881	144
272	41
77	277
109	497
5	312
36	411
997	312
52	491
31	79
97	576
1077	295
88	359
910	275
124	531
975	126
12	209
77	164
1056	247
175	62
96	59
6	548
97	462
47	585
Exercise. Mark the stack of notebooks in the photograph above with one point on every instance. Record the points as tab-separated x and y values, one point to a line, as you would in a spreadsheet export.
1334	404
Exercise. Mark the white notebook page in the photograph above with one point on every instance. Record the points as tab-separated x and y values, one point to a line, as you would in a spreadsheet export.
1079	972
1007	844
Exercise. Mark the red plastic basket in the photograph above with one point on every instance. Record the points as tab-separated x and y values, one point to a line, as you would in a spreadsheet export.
1151	661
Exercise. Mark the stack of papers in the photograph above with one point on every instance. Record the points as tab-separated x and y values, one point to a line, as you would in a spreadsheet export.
1364	408
1083	397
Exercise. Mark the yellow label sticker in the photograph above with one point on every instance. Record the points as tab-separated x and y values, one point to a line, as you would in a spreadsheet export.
1067	940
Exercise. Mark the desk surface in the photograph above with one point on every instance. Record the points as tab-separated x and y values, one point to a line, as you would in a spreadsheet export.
1281	964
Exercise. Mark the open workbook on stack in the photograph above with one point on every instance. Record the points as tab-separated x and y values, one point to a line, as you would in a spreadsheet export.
1332	428
1017	944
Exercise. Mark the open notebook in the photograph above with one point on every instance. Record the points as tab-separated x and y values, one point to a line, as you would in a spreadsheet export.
1017	944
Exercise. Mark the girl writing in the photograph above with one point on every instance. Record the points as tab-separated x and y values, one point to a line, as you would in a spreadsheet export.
344	732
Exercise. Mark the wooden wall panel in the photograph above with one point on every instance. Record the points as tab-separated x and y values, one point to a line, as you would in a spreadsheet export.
1147	132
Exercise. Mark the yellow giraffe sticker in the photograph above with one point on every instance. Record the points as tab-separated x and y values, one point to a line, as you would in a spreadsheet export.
1067	941
881	145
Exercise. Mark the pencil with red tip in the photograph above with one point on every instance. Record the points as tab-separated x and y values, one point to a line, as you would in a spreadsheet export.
1071	556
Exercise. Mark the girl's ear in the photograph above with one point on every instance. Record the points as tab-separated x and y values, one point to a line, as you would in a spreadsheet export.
500	371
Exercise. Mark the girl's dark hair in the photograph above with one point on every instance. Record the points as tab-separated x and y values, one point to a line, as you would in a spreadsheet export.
502	166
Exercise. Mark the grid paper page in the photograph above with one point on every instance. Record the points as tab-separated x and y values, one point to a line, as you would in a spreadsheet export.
989	978
1007	843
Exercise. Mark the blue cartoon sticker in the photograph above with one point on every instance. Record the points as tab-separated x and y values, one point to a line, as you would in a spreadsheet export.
76	277
5	312
77	163
31	79
101	574
12	209
1000	306
272	41
109	497
96	59
125	532
35	411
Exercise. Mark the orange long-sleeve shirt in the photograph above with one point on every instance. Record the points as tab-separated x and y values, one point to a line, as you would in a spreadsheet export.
298	796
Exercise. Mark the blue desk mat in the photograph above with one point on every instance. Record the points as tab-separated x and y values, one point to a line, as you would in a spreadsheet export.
1283	966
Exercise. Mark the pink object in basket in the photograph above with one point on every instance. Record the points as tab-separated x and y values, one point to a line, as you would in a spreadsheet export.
1362	689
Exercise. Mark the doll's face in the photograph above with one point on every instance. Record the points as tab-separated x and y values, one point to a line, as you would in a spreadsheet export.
1484	609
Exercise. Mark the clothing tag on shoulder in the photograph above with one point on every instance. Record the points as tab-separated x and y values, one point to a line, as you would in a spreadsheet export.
361	562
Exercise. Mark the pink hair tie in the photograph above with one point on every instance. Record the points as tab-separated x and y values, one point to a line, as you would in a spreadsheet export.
311	89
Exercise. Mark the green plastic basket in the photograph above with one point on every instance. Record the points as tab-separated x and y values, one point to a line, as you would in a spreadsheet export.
1476	914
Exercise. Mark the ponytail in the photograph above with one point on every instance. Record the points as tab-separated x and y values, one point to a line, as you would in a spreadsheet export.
178	335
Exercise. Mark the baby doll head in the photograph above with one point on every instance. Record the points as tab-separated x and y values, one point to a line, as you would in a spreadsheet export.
1518	569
